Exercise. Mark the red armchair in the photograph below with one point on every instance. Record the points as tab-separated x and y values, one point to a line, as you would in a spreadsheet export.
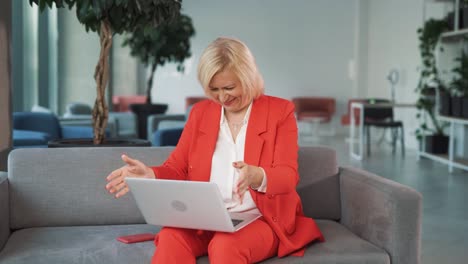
121	103
308	108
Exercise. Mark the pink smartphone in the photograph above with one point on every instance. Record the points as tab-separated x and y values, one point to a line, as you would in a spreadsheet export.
136	238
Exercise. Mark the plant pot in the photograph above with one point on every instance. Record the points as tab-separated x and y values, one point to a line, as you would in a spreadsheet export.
445	104
457	106
437	144
142	111
88	142
451	19
464	17
464	100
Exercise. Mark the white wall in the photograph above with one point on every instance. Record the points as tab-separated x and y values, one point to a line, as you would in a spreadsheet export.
124	69
77	58
392	43
302	47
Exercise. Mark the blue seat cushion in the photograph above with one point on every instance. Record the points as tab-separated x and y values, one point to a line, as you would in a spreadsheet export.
28	138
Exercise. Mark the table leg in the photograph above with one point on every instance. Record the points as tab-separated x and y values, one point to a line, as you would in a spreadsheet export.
451	146
352	132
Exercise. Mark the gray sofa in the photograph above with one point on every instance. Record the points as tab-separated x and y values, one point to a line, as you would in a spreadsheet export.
54	209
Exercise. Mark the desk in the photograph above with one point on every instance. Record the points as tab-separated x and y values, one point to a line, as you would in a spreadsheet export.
352	127
451	161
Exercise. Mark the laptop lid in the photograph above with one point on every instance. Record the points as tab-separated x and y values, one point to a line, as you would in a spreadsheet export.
185	204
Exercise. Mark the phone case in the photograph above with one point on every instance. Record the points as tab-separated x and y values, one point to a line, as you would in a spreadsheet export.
136	238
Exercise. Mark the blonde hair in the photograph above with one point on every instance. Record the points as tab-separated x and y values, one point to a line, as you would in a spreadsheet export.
233	55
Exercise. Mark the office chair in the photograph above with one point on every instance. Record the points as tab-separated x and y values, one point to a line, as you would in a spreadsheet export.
382	117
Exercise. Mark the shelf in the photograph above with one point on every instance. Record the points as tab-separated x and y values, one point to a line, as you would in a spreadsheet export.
451	160
442	158
459	163
456	120
438	1
454	35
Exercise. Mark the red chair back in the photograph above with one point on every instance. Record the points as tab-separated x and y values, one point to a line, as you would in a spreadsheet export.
121	102
311	107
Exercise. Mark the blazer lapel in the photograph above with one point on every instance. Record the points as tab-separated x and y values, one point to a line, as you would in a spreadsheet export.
257	125
208	129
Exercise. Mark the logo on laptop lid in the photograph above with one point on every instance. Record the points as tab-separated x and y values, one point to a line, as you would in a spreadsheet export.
179	206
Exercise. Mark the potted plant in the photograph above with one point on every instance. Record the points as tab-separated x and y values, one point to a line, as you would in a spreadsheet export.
435	139
464	14
107	18
459	87
156	46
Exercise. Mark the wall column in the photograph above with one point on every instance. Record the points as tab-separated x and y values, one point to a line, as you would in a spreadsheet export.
5	82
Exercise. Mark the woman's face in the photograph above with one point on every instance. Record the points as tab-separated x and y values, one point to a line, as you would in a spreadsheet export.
225	88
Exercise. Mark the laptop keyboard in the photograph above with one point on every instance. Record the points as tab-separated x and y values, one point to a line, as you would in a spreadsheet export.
235	222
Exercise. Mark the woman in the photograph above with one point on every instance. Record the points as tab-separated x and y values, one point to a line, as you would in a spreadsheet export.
245	142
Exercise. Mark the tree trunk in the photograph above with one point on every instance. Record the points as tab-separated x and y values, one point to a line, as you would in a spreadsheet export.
101	75
150	83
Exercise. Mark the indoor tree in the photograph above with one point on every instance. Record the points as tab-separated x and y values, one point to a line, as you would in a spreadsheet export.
153	46
109	17
429	79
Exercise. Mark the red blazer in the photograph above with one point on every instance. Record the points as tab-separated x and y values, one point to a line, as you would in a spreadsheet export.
271	143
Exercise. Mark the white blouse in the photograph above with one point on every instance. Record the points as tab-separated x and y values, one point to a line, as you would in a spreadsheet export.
224	174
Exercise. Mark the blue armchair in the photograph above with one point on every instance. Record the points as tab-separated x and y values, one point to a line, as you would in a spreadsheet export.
33	129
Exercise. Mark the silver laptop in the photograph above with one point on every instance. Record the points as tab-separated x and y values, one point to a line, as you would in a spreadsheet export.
185	204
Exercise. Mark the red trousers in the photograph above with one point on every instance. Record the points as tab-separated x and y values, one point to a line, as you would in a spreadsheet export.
251	244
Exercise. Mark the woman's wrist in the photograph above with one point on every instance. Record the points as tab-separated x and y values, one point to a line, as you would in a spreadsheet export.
257	178
150	173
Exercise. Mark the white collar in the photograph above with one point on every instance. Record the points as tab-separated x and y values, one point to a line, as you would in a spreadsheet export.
246	117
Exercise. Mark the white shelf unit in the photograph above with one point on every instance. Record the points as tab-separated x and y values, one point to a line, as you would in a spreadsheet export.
456	35
450	159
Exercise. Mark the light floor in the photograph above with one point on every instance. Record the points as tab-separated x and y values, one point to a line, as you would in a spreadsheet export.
445	195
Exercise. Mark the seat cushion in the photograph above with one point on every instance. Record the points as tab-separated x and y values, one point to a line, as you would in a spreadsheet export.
98	244
81	244
341	246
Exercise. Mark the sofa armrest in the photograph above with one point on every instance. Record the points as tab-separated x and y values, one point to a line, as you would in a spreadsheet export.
153	122
382	212
4	210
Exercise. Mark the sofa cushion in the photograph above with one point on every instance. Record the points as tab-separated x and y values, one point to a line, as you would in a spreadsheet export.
97	244
340	246
85	244
65	186
35	121
319	185
29	138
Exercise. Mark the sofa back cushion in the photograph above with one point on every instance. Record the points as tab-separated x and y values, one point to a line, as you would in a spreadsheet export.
319	185
66	186
36	121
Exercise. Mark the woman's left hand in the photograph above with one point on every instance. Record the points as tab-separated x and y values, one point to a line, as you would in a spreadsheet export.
248	176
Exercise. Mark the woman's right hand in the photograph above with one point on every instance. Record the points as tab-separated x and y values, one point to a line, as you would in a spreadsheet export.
134	168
